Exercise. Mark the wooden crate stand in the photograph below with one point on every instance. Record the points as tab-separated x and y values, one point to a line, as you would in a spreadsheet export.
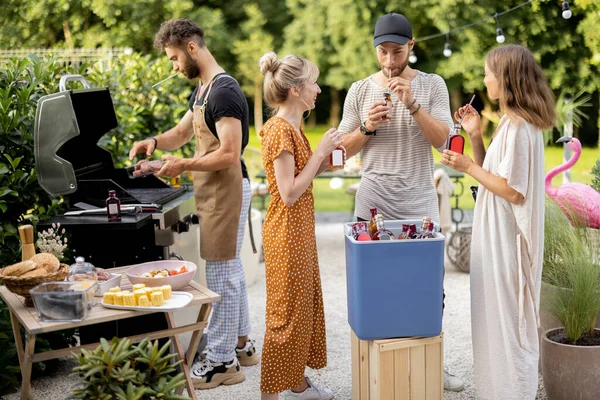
398	369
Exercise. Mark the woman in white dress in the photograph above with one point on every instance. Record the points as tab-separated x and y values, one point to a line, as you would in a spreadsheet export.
508	227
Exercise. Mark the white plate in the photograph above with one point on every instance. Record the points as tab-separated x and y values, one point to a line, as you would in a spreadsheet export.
177	300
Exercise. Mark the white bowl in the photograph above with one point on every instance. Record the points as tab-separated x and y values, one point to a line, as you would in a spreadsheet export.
104	286
176	281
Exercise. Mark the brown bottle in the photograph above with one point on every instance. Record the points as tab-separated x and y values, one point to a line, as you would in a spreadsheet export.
113	206
382	233
387	97
373	223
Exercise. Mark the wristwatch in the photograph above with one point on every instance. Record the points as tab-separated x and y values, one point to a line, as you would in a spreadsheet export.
364	131
155	142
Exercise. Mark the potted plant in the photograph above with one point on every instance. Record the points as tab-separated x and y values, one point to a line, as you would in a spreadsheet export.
570	350
118	370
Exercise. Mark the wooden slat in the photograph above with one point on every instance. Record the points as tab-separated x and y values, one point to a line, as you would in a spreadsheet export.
441	366
364	370
433	359
26	369
184	365
355	357
197	335
417	373
16	328
374	371
386	375
401	375
409	343
50	355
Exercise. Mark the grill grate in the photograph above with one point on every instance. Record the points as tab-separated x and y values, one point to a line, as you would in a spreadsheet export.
155	195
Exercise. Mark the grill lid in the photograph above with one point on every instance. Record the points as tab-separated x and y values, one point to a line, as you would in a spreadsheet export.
68	126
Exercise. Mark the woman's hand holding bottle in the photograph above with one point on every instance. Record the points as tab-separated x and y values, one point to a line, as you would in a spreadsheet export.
330	141
471	122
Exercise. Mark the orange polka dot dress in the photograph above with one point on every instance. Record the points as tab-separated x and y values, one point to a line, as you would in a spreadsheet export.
295	322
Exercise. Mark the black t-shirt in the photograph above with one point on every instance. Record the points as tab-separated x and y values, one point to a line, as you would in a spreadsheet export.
226	99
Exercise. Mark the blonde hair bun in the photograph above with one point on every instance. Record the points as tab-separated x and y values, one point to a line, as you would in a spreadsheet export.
268	63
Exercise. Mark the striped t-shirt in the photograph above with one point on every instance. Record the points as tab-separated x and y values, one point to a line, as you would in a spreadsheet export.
397	163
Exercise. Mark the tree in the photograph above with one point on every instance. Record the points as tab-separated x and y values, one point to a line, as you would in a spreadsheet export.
256	41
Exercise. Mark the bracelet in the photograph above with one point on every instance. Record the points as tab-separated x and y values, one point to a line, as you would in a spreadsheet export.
411	104
418	108
155	143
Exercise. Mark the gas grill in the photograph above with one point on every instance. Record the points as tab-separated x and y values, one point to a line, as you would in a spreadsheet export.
68	126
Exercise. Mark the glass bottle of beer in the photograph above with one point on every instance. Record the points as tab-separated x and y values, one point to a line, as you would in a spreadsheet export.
382	232
426	229
373	223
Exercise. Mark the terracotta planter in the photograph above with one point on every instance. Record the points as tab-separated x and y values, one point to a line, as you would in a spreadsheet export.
570	372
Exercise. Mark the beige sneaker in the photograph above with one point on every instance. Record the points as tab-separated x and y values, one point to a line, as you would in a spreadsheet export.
247	355
207	374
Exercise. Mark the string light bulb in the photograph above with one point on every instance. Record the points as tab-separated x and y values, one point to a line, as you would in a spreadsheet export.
566	11
447	49
412	57
499	35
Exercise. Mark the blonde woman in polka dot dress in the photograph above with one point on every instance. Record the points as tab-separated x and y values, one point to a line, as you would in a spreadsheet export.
295	322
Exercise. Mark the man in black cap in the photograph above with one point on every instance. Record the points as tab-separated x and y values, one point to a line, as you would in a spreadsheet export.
396	136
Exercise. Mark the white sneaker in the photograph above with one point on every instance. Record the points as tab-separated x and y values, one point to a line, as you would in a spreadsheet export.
452	383
312	392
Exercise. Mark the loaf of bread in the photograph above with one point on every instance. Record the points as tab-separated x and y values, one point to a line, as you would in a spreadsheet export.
34	273
19	269
47	261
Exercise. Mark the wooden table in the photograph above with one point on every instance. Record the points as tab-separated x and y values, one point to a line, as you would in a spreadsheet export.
28	318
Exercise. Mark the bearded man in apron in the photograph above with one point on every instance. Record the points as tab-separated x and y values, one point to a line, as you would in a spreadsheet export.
218	120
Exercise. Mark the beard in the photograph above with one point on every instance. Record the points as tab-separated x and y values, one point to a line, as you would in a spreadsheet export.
190	69
398	70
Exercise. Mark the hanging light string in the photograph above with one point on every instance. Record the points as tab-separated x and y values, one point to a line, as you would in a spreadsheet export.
495	16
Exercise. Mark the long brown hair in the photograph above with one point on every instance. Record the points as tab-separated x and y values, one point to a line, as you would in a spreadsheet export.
524	91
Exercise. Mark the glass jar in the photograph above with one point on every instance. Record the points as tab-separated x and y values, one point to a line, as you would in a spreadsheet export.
82	271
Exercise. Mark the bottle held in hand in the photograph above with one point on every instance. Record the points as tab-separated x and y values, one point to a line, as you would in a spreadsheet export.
387	97
456	142
337	158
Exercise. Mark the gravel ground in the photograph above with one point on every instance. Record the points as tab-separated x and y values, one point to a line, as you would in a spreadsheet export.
337	375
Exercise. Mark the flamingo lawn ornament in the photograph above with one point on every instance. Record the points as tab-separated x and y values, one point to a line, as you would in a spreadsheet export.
577	198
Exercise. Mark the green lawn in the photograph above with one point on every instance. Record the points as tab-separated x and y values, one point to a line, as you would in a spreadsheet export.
327	199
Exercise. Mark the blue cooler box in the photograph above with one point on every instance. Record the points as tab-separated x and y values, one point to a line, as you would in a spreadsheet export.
395	287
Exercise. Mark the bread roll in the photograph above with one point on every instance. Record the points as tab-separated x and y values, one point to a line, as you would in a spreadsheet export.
34	273
19	269
46	261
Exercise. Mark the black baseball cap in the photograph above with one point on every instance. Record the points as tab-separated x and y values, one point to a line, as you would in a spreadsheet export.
392	28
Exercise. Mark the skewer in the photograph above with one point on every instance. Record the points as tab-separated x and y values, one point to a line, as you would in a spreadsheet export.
166	79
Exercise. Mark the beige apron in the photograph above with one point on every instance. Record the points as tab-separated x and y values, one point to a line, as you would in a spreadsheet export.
218	194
